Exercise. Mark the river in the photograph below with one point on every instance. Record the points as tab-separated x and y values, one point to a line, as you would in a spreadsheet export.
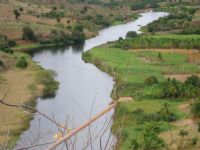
84	91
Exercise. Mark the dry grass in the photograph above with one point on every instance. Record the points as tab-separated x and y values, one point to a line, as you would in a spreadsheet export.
17	82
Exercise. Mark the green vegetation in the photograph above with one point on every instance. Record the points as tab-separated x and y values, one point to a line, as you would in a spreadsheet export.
195	109
28	34
131	34
145	4
46	78
151	81
141	75
182	18
16	13
22	63
6	44
160	41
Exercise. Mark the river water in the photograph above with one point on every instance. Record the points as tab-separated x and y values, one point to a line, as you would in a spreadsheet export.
83	92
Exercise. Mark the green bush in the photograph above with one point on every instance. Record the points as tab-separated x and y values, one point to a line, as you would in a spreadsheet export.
28	34
195	108
172	88
160	41
22	62
131	34
151	80
193	81
78	35
11	43
7	50
1	63
47	79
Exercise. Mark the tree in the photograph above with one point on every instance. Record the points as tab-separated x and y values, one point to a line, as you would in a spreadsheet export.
16	13
28	34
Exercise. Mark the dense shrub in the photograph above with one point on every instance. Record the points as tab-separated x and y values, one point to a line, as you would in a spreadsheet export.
78	35
28	34
145	3
195	108
1	63
47	79
151	139
193	81
162	41
171	88
101	21
173	21
22	63
7	50
151	80
131	34
11	43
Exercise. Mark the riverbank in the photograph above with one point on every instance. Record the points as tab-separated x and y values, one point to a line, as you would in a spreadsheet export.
21	86
130	71
32	86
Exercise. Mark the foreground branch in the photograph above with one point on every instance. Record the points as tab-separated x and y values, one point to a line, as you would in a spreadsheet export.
2	101
75	131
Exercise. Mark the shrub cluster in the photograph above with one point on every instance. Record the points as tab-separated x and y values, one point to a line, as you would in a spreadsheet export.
145	4
131	34
22	63
171	88
28	34
6	44
46	78
77	36
177	20
168	41
54	14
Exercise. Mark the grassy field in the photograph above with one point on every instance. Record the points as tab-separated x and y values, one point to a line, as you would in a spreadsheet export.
130	69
